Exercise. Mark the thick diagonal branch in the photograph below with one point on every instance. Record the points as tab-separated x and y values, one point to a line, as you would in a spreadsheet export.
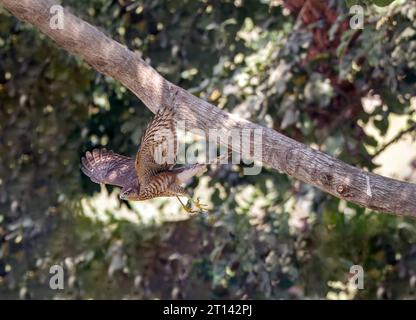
278	151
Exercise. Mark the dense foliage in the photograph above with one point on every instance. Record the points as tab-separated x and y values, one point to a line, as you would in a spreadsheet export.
298	69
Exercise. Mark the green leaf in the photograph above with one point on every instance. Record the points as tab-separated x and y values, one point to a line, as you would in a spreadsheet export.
382	3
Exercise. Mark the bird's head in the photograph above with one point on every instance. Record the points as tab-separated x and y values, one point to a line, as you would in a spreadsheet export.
129	193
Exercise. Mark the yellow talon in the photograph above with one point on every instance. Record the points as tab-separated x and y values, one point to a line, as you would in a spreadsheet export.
199	205
188	206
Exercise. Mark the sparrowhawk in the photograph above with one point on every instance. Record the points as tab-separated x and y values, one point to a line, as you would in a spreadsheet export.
152	173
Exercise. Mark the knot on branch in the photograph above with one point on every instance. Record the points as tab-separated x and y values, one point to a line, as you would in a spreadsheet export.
292	161
344	191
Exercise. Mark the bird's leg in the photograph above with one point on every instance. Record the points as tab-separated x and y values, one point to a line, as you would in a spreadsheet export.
186	207
180	191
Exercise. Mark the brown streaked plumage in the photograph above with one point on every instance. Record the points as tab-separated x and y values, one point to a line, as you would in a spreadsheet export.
151	174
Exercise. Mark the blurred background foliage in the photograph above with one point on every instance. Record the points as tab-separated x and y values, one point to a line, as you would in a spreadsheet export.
295	66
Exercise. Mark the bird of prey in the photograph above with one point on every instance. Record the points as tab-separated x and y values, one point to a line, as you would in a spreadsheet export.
152	173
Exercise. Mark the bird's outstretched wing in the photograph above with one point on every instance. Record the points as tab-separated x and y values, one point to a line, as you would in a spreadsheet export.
105	166
158	147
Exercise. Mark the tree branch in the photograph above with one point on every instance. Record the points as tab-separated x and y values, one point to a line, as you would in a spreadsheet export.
278	151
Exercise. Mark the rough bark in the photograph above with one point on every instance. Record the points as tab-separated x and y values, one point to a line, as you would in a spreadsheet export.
278	151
